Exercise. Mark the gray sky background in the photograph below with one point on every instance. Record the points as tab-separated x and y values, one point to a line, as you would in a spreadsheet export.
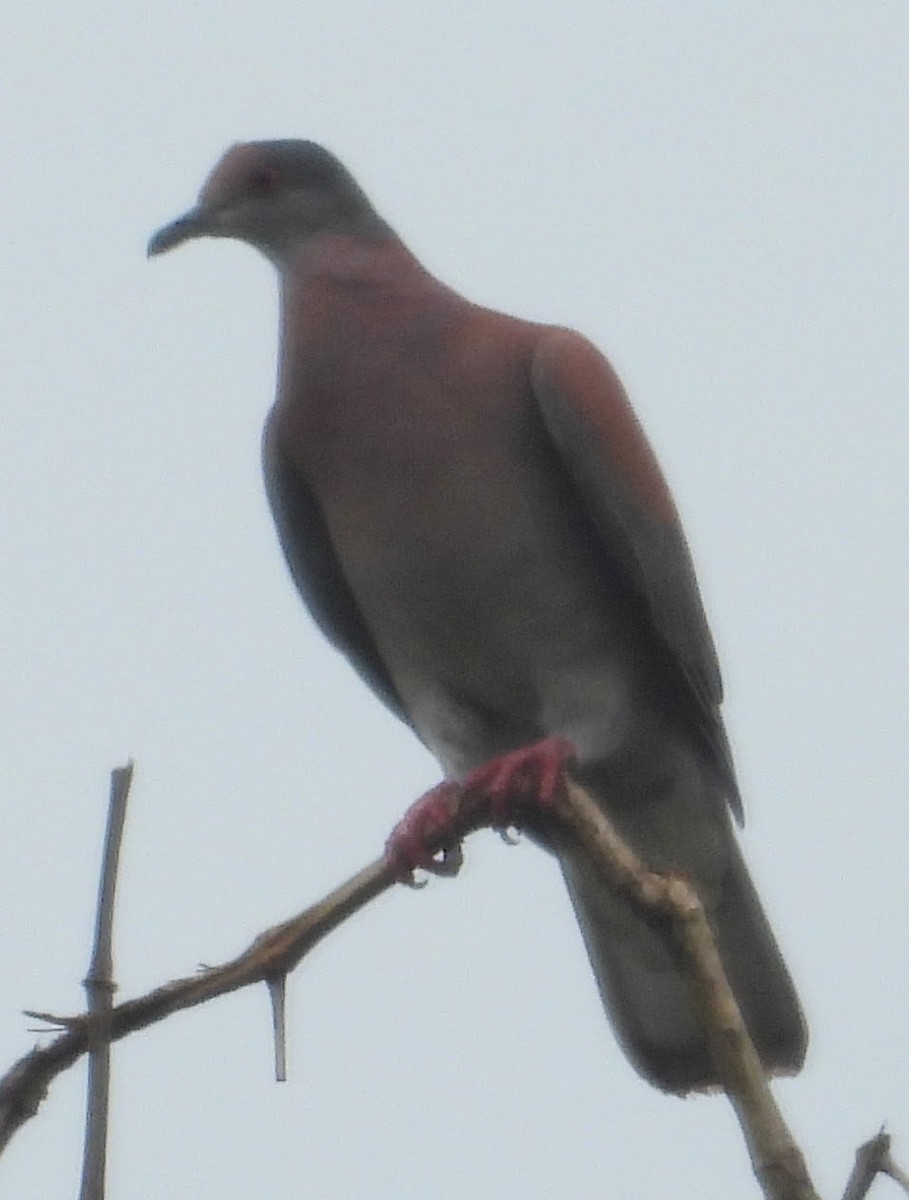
716	194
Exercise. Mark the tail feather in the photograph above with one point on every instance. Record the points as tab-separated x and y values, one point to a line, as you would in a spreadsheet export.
647	994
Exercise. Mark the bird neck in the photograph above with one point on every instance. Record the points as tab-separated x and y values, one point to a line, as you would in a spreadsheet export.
347	259
338	276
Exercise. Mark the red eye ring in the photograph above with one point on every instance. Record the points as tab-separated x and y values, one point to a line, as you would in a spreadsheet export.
263	180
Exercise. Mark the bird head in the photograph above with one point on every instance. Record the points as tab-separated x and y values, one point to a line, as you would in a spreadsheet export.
277	196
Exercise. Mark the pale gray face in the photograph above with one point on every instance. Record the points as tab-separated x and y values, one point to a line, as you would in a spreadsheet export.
275	196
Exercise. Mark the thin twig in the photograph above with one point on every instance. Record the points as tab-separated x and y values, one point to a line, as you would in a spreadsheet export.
99	988
896	1173
872	1159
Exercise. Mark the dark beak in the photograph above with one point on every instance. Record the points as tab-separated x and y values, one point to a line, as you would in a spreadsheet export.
196	223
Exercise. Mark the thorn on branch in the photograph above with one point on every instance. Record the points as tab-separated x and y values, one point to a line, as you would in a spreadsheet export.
277	993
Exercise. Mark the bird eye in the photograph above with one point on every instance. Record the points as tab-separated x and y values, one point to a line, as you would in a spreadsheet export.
263	180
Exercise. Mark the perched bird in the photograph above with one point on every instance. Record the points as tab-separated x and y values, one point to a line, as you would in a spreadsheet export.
473	515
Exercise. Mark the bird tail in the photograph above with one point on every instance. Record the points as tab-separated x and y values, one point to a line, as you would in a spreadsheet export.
646	991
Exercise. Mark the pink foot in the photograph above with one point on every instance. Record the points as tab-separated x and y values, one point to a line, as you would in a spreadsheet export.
419	838
429	834
532	775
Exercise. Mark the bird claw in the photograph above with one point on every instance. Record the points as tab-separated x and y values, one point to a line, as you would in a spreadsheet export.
449	860
416	882
424	839
410	845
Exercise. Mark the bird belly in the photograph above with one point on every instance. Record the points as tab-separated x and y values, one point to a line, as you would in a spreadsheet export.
493	643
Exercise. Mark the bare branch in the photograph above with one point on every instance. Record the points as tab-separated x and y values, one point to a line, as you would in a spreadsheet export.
777	1161
274	952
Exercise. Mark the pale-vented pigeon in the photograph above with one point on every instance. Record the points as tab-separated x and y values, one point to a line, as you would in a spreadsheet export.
473	515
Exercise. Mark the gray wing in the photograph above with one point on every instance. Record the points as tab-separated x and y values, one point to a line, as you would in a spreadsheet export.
618	481
315	569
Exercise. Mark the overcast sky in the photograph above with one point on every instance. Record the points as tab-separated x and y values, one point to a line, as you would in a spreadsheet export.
716	193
